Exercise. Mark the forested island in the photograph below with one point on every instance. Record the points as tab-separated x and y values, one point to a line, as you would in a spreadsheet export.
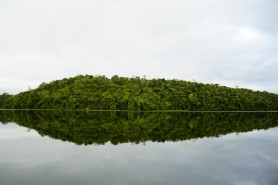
86	92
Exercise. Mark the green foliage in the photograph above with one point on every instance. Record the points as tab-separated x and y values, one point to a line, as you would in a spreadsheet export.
3	98
99	127
139	94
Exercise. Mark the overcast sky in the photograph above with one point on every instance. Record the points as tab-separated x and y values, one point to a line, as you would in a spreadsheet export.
230	42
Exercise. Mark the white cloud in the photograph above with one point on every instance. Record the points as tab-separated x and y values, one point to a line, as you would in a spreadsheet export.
226	42
247	35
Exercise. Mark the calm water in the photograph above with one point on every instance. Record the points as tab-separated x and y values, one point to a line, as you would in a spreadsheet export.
44	148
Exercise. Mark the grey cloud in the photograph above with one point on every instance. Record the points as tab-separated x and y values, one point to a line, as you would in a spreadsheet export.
226	42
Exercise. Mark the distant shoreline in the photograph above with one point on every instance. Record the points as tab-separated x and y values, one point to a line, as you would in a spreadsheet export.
85	110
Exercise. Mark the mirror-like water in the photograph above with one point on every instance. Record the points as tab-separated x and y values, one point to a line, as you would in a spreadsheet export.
130	148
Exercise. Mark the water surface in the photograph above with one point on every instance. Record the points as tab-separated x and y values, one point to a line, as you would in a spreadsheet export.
127	148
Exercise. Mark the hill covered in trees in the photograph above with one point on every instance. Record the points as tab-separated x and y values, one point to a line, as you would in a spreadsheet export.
139	94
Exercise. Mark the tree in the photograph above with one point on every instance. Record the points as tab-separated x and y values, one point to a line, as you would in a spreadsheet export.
3	98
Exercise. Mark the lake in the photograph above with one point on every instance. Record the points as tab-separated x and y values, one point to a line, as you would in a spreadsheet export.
62	148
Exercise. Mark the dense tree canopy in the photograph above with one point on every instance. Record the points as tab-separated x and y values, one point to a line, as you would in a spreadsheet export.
3	98
139	94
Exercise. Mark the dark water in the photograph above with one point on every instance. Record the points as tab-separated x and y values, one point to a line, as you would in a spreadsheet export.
118	148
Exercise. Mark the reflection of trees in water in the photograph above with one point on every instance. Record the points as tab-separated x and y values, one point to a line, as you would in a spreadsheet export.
121	127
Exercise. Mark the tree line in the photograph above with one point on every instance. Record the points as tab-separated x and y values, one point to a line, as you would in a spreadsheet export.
140	94
3	98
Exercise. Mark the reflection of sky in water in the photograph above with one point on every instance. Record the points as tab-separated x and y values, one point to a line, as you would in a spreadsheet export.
245	159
